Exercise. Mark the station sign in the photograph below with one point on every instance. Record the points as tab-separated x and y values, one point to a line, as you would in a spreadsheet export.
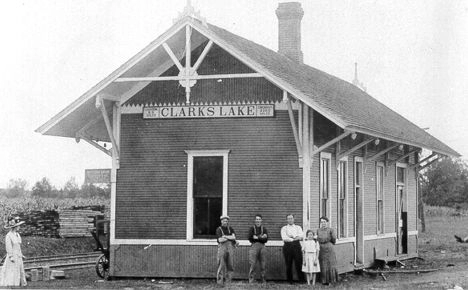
95	176
226	111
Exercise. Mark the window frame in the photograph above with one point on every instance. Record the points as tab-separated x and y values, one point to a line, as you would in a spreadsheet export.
360	160
325	156
190	206
346	193
377	178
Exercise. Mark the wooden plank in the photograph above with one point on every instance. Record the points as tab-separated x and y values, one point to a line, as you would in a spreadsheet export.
192	77
293	125
330	143
172	56
203	55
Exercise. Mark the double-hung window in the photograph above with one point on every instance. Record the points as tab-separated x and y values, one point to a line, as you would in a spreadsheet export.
325	161
342	197
379	179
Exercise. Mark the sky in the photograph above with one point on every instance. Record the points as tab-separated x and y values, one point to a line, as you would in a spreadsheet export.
412	56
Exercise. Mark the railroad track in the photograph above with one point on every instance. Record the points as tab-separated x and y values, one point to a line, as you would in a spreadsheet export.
63	262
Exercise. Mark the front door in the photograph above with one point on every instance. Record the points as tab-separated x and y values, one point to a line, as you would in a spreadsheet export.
401	213
207	195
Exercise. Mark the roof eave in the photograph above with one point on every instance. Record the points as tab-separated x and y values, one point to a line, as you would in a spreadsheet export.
357	129
43	129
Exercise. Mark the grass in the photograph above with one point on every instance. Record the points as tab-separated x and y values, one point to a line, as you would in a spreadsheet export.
437	246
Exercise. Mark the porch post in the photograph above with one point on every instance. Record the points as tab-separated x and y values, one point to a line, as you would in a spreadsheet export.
306	145
116	111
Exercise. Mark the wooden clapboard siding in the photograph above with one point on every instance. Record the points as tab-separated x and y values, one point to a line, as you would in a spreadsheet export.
200	261
384	247
412	199
412	244
151	185
389	200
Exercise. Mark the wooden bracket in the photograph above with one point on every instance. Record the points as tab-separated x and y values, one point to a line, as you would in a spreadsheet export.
423	160
294	128
377	155
93	143
330	143
358	146
100	105
428	161
391	162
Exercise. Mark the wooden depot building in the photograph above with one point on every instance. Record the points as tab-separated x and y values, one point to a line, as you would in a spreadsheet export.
203	122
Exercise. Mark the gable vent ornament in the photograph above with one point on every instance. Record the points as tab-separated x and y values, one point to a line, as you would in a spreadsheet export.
189	10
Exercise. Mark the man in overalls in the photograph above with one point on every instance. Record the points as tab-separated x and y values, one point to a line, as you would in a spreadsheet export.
226	242
258	236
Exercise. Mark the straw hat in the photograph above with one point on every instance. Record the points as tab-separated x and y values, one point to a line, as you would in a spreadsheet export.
13	223
224	217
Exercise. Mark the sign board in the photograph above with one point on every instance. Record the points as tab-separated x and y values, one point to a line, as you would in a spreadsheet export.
95	176
227	111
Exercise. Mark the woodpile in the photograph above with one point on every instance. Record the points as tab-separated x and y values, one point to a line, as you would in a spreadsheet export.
40	223
65	223
77	222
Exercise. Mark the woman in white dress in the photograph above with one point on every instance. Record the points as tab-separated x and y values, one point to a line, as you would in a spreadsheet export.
12	272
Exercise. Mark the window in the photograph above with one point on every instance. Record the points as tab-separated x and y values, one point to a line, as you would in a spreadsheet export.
342	197
379	179
401	175
206	192
325	183
358	198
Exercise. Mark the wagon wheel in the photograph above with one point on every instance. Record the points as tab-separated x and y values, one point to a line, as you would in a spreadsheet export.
102	266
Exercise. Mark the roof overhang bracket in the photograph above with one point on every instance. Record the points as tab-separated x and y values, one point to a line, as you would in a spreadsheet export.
377	155
427	161
438	157
100	105
357	147
293	125
330	143
391	162
93	143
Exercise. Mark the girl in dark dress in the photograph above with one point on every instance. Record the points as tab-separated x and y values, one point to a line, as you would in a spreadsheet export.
326	236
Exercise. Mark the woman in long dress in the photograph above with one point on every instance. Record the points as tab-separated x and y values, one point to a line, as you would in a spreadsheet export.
12	272
327	257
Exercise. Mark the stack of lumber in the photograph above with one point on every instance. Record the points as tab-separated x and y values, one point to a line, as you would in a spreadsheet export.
77	223
40	223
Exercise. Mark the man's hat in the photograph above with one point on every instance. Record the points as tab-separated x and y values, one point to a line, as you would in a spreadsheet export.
14	222
224	217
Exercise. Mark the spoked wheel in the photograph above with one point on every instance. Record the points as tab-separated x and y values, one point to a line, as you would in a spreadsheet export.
102	266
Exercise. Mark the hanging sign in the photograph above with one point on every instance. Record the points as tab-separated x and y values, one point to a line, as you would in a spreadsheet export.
97	176
228	111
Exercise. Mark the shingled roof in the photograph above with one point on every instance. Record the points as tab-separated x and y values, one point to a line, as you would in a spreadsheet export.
341	102
356	109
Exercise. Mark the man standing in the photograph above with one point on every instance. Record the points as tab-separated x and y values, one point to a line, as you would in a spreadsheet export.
291	235
258	236
226	242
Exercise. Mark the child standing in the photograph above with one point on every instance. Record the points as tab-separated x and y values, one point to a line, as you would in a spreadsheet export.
310	253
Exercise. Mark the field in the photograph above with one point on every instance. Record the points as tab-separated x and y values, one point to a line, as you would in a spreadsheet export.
437	247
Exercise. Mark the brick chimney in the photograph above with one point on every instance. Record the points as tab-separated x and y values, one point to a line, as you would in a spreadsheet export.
289	30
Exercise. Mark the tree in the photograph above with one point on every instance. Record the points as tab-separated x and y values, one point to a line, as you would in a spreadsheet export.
43	188
71	189
16	188
445	183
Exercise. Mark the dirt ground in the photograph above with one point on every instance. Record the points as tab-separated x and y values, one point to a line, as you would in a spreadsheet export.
438	250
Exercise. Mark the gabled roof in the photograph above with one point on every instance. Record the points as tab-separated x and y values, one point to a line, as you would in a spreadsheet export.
343	103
